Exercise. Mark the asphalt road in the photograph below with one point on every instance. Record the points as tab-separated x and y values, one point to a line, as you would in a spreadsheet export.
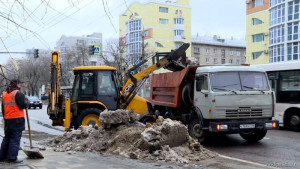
280	148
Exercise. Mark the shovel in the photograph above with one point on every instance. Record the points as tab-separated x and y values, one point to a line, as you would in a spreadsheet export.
31	152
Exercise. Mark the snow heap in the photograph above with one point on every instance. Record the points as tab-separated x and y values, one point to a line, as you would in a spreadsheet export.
121	134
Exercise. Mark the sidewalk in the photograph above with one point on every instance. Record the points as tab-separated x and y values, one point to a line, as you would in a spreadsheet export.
63	160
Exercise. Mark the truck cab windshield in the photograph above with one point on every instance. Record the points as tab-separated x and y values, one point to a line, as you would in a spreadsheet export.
239	81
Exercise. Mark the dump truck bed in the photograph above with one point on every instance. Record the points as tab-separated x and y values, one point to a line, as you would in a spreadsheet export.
166	88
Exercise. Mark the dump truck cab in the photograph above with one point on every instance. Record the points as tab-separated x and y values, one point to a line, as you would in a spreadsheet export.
94	87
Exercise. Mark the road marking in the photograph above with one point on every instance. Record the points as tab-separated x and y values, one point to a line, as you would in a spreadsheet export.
266	138
246	161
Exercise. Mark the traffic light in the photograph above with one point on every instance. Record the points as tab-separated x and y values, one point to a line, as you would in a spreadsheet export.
36	53
91	50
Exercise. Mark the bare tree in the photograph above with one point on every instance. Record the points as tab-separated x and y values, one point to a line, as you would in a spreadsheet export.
33	72
114	55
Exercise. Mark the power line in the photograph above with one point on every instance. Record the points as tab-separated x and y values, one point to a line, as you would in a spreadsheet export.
109	17
42	30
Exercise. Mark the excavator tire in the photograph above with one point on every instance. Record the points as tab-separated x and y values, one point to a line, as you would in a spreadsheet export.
187	94
89	116
148	119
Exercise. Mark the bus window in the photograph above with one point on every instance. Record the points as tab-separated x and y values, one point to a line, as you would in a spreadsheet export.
290	81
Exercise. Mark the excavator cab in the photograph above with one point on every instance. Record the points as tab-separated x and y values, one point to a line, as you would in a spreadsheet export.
95	88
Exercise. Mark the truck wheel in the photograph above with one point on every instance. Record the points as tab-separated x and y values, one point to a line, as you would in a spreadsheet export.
253	136
88	117
294	122
196	132
148	119
187	94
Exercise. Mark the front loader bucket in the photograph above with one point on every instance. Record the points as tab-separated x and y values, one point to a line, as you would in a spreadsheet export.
177	58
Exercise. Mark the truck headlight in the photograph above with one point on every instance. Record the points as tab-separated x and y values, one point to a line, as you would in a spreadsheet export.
268	125
222	127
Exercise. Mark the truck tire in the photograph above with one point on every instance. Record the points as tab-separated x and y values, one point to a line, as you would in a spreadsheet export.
294	122
187	94
196	132
253	136
88	117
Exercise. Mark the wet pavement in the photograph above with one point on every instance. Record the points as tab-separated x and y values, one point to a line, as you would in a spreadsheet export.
280	148
42	130
63	160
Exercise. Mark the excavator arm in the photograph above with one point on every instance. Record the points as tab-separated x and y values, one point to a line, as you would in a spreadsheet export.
173	61
55	106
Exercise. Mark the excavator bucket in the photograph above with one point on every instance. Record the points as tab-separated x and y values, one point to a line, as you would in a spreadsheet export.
177	58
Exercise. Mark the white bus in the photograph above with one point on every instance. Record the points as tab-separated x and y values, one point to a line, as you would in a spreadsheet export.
285	81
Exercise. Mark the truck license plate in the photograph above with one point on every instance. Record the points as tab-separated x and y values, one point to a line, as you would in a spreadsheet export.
247	126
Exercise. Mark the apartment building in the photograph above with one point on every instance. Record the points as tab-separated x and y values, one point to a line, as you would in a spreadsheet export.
216	51
155	26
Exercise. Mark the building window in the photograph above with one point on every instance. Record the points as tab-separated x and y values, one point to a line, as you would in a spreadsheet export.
276	52
215	60
196	50
178	32
207	50
215	51
177	45
163	21
256	21
256	55
207	60
223	53
231	52
238	61
293	31
230	61
275	2
223	61
159	45
256	3
293	10
258	37
163	9
178	21
146	33
134	40
277	34
277	15
292	51
238	53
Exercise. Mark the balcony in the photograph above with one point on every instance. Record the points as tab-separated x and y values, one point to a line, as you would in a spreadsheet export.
179	26
179	38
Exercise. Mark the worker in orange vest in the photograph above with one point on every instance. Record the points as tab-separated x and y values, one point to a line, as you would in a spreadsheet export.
13	103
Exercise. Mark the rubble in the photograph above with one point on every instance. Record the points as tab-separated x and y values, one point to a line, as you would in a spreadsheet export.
122	134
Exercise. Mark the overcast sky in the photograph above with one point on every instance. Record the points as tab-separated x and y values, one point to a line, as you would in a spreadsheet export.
226	18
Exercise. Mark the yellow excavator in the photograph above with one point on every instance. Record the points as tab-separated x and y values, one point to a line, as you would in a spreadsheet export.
97	88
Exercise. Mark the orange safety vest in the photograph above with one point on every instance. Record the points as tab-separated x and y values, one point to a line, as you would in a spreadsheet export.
11	109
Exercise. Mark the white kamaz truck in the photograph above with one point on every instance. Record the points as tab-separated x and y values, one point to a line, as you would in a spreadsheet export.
216	99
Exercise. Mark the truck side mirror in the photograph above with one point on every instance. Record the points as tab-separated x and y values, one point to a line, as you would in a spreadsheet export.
199	81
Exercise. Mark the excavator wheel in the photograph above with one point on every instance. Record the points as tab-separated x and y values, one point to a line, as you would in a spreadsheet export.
88	117
148	119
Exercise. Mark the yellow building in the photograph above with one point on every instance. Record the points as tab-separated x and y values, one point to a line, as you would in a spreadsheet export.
257	36
166	25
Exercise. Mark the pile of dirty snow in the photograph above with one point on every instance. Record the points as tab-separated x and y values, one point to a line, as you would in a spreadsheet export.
121	134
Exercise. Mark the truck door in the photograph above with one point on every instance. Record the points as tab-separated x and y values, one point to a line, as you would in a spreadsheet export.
202	98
